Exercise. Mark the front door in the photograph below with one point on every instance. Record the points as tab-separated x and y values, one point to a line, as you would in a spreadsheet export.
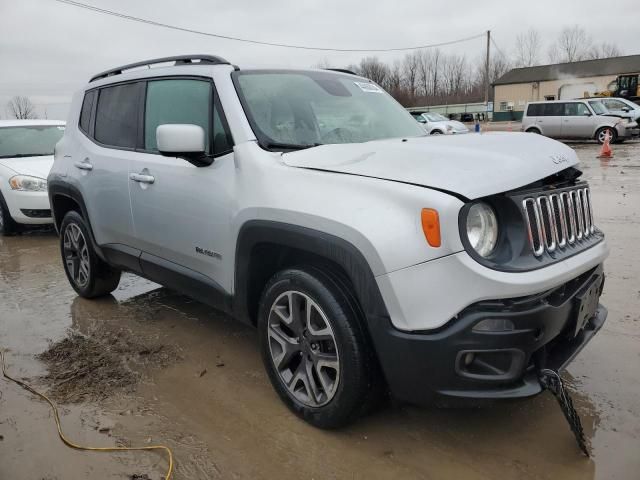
181	213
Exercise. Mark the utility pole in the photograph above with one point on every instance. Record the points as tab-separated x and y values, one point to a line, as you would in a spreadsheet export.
486	69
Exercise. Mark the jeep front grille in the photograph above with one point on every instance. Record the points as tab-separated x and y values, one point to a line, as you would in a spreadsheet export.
557	220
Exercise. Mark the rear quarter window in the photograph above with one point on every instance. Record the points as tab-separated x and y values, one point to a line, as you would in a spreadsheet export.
85	113
534	110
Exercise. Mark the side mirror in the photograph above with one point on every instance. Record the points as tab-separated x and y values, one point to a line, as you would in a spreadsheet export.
185	141
587	114
626	109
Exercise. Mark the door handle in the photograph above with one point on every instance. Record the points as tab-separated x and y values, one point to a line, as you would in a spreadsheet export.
83	165
141	178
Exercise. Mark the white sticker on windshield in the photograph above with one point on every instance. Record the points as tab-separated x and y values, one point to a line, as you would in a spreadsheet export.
368	87
60	128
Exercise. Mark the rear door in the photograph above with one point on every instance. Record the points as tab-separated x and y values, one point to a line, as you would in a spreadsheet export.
181	220
577	121
550	122
109	126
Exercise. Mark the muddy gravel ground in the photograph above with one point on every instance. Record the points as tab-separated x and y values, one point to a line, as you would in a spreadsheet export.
148	366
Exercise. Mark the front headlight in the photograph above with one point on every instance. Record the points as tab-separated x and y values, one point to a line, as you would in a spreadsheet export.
449	128
28	184
482	228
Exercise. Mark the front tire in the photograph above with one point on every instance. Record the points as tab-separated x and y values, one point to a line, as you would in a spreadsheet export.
314	348
602	133
87	273
8	225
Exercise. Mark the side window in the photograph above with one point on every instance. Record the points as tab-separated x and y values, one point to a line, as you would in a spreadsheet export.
582	110
176	101
553	109
117	115
570	109
85	112
222	141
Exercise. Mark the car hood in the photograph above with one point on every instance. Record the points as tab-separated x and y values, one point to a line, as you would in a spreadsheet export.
35	166
473	165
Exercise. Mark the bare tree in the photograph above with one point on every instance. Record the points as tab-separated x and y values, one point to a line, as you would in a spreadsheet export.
573	44
410	72
527	48
323	64
374	69
21	108
604	50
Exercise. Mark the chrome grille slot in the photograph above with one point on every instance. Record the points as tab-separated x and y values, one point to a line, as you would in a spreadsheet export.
569	215
577	207
558	220
534	226
557	213
587	194
548	223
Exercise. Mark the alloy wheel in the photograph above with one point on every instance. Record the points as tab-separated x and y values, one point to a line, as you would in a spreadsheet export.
303	348
76	255
603	135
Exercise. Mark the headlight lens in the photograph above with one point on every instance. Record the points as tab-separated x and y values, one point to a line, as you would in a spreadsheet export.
482	228
449	128
27	183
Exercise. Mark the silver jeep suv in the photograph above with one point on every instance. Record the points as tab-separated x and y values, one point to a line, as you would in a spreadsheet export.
372	258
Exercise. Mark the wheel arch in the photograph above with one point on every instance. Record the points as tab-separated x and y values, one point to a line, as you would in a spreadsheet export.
265	247
65	198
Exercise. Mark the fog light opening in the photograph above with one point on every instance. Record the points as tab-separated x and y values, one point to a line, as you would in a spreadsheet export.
468	358
494	325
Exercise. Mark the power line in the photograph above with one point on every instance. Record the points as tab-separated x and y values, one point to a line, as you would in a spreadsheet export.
257	42
493	42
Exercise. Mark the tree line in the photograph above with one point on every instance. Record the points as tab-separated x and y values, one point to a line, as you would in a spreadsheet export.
434	77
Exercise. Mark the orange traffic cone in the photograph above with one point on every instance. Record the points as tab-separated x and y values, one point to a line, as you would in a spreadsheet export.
605	151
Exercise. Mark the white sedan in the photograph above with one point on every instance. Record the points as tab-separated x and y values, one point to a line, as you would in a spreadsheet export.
26	157
437	124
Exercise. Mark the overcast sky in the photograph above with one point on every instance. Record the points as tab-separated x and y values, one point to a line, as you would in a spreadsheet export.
49	49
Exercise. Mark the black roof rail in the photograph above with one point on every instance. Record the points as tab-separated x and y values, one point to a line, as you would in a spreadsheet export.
178	60
343	70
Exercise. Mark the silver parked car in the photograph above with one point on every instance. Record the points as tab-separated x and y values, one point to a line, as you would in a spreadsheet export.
622	107
437	124
577	119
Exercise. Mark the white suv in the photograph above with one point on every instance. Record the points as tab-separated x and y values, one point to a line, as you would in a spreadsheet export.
310	204
26	156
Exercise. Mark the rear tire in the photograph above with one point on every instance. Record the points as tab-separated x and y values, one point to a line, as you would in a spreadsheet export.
87	273
601	133
436	132
321	363
534	130
8	225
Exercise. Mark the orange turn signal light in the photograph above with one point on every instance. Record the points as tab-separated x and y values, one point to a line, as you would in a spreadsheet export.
431	226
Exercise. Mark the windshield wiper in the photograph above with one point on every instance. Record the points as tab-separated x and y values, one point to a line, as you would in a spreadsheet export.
20	155
288	146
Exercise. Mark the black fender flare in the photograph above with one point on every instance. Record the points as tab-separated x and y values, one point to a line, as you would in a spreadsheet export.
308	240
61	188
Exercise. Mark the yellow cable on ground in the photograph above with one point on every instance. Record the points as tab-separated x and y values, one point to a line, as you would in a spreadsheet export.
69	443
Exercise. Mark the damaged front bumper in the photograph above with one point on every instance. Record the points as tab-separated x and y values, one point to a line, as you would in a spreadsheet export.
465	360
